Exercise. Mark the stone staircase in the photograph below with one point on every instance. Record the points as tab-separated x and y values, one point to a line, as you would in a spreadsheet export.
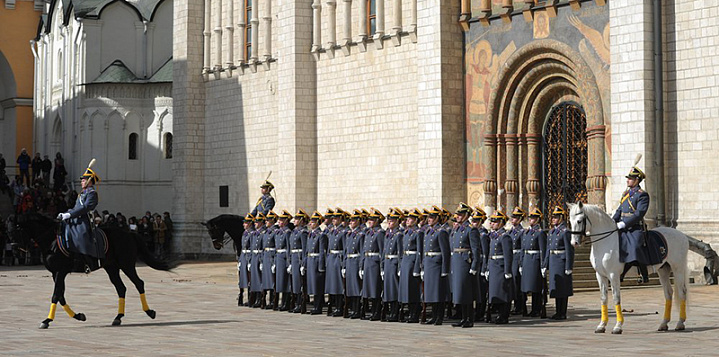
585	278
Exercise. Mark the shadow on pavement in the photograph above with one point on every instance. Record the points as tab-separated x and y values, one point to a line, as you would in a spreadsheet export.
174	323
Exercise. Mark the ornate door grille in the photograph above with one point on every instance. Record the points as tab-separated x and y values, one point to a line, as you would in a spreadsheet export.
565	157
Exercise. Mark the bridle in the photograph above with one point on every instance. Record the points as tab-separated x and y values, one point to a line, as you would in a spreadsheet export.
583	231
225	237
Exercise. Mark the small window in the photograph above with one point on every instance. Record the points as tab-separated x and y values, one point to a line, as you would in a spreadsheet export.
168	146
224	196
371	17
132	152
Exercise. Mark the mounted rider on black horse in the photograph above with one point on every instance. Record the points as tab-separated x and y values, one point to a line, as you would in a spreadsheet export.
80	234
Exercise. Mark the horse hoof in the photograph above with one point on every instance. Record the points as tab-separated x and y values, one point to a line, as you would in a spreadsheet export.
45	324
616	331
80	317
151	313
600	330
663	328
679	328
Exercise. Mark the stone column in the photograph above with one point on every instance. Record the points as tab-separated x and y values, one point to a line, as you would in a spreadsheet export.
316	26
207	34
511	185
413	21
397	17
379	19
242	27
188	95
596	179
218	38
296	95
267	28
362	36
534	173
347	27
490	161
331	24
254	23
441	125
230	37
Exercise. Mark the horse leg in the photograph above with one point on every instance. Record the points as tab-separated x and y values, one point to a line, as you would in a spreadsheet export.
614	278
140	285
603	282
680	283
664	272
113	273
58	296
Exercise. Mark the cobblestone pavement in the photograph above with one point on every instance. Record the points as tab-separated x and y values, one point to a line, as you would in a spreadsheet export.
197	315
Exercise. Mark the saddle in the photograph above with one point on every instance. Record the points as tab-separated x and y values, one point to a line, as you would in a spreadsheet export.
656	248
66	246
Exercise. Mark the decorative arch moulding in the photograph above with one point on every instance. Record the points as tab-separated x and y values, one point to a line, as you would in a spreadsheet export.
596	132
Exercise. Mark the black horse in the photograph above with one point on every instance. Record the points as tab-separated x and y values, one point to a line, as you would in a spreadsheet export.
224	228
123	250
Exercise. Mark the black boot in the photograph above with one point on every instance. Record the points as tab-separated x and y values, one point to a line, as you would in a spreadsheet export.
435	312
317	305
469	320
480	311
502	314
440	316
339	306
393	312
536	305
488	315
376	310
644	278
364	309
414	311
240	300
463	318
285	302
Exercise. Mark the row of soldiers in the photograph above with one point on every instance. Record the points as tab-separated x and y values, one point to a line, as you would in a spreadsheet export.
427	258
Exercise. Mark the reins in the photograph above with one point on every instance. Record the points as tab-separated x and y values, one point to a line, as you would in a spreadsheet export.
583	232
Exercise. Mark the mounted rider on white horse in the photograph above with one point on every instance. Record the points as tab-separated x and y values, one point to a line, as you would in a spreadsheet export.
632	229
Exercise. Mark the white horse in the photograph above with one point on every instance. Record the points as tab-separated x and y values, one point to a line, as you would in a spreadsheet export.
592	222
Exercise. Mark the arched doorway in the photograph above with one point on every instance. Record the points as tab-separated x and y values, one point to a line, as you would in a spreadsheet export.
564	156
56	141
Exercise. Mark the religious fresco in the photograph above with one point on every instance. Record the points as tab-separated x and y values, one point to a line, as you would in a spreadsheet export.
585	31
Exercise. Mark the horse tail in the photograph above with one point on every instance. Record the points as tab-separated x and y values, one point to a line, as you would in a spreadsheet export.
149	258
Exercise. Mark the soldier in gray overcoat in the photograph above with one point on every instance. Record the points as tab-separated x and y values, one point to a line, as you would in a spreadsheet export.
559	261
354	240
435	266
478	218
534	243
268	260
334	285
255	261
500	267
370	267
243	259
282	259
315	262
465	247
391	257
297	248
410	292
516	232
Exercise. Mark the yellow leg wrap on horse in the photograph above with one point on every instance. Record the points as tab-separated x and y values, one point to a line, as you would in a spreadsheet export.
683	310
145	307
51	315
667	310
605	313
121	306
68	310
620	316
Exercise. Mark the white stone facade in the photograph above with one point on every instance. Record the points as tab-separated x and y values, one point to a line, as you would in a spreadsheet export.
87	104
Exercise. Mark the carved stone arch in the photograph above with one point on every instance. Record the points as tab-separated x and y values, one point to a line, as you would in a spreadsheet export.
161	118
532	80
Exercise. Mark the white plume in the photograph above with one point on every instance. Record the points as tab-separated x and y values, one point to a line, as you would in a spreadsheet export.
92	162
636	160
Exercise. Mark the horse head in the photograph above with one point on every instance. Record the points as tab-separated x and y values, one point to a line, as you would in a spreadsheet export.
24	229
223	228
578	220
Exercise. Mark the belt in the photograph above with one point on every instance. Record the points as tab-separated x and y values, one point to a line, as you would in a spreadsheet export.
461	250
410	252
245	251
353	255
313	254
335	252
432	254
371	254
256	251
270	249
557	251
529	251
281	250
517	251
391	256
495	257
296	251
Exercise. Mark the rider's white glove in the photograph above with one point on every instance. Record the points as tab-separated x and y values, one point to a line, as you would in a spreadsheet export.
302	271
63	216
472	272
343	272
621	225
568	272
272	268
508	276
544	272
361	274
260	266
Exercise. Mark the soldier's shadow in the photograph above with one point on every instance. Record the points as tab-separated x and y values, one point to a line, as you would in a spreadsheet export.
175	323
